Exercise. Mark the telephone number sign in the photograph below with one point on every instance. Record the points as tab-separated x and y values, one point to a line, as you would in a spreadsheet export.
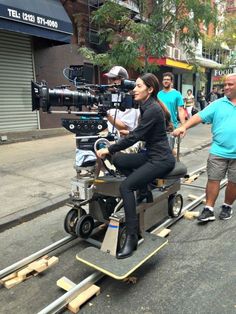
29	18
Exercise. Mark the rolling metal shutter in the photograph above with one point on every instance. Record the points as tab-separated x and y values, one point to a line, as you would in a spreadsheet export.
16	73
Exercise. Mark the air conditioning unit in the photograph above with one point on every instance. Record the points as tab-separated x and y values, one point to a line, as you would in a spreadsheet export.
169	51
93	37
176	53
172	39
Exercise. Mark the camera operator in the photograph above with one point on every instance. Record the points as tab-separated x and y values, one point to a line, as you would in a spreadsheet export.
123	121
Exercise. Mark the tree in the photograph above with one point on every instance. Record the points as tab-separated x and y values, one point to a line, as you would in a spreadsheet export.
225	39
133	38
228	34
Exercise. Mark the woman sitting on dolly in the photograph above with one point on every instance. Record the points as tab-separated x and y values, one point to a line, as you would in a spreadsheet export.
142	168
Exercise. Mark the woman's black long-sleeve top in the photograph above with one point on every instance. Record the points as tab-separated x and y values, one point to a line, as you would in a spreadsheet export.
151	129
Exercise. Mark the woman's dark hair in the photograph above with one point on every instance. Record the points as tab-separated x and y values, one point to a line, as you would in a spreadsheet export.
150	80
189	90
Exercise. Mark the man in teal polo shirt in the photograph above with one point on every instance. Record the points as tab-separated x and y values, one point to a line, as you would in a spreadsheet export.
221	113
172	99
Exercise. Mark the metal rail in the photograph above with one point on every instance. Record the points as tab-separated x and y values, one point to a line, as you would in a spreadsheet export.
12	268
61	302
52	247
199	170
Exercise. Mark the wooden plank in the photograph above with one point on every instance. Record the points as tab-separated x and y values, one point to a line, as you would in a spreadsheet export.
13	282
65	283
192	178
52	261
160	182
163	233
32	269
24	272
11	276
38	266
83	297
191	214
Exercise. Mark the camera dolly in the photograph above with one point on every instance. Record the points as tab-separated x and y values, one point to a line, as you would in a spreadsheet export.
95	197
97	200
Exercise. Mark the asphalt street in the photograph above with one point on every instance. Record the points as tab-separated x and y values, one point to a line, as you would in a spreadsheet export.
193	273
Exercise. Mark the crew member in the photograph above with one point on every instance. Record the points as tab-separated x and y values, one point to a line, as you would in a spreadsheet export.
142	168
221	113
123	121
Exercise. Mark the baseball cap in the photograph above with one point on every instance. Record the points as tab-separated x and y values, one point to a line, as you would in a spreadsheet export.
117	71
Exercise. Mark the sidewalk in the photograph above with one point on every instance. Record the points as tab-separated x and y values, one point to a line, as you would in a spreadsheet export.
35	175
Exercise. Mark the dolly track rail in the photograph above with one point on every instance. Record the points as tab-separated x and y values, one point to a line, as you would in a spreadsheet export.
52	247
61	302
10	269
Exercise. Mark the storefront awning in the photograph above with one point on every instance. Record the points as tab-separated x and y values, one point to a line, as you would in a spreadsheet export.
208	63
44	18
170	62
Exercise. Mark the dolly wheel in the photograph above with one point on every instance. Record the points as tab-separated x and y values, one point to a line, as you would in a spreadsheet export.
70	221
121	237
84	226
175	205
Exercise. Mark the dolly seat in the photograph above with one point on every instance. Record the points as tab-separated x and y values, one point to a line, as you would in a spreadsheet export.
179	171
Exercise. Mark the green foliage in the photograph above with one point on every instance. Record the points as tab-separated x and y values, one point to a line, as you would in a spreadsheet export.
226	37
229	32
132	41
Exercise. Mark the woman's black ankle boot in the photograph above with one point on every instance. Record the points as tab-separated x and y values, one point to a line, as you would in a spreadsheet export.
130	245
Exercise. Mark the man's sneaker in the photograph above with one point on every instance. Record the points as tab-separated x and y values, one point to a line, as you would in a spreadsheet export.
226	212
206	215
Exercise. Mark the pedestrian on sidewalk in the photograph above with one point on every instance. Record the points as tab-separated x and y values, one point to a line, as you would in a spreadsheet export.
221	113
201	98
189	102
212	96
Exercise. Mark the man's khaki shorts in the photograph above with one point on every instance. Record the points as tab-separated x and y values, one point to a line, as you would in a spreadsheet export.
218	167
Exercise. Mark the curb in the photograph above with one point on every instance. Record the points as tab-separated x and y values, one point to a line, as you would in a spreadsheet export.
29	213
25	136
200	147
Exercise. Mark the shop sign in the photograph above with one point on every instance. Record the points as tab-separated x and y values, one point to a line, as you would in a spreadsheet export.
219	75
223	72
27	17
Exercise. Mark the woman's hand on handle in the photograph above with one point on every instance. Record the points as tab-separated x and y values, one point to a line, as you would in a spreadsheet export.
101	153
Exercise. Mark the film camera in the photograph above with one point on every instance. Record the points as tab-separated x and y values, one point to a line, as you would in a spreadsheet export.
89	101
87	107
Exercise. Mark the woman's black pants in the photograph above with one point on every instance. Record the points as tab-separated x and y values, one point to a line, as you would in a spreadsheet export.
139	171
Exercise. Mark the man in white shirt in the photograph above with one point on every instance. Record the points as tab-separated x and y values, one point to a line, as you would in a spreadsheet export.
123	121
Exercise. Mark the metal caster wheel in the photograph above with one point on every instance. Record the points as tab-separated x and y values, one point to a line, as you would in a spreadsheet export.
70	221
72	218
84	226
175	205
